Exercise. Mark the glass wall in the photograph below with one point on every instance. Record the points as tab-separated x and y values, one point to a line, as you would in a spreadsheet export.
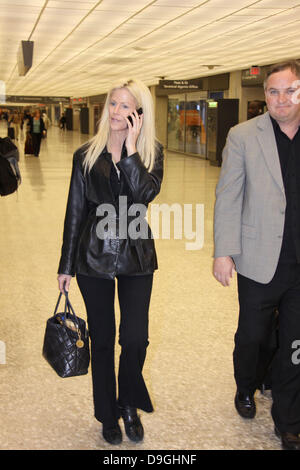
187	123
176	122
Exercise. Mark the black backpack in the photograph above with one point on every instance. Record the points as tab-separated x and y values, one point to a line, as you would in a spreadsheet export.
10	177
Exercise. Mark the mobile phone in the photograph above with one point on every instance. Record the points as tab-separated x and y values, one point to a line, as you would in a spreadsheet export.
139	111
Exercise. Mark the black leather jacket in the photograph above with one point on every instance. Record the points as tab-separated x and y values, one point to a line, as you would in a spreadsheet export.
83	251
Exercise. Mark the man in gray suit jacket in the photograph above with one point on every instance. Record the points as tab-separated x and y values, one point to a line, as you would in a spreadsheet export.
257	233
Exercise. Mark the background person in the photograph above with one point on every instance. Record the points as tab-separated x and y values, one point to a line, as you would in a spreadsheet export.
62	122
37	129
26	123
47	123
123	159
15	122
255	108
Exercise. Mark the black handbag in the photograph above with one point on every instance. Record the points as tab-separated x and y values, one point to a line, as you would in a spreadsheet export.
66	342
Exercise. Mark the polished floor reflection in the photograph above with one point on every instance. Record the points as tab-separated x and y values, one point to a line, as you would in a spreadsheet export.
192	323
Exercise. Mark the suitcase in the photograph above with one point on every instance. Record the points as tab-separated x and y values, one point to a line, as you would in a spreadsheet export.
11	132
28	145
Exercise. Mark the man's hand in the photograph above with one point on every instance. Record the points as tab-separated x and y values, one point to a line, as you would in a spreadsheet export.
223	269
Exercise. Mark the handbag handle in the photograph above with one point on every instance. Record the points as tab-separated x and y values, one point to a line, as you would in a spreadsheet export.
70	310
57	304
68	306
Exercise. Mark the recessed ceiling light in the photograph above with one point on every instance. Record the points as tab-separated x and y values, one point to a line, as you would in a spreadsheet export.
140	49
211	66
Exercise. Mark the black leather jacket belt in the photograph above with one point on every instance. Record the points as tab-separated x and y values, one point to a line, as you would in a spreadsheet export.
83	251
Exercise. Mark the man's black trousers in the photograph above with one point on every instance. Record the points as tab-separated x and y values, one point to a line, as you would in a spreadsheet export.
134	294
257	305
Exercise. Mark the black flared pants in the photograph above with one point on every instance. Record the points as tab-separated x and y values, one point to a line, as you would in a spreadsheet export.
134	294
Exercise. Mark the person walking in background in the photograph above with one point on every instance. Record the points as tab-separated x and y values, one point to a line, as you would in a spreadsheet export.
123	160
37	129
47	123
62	122
15	122
5	117
257	233
255	108
26	123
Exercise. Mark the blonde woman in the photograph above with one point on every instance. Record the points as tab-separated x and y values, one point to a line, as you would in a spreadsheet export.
114	177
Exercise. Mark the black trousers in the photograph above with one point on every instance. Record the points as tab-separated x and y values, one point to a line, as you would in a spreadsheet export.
134	294
36	143
257	305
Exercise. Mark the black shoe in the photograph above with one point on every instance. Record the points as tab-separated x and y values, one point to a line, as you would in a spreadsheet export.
289	441
133	426
112	435
245	404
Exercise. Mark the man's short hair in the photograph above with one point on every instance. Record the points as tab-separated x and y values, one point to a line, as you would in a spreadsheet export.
293	65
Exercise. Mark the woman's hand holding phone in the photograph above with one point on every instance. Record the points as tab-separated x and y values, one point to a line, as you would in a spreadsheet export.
134	122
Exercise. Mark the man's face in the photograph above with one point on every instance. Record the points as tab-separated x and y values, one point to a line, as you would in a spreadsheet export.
282	96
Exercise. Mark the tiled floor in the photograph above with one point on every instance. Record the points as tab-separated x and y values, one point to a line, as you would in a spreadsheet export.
192	323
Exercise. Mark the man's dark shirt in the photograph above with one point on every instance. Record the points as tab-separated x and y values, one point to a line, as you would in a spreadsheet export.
289	156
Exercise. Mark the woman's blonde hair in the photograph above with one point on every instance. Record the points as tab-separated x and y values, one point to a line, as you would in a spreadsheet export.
146	142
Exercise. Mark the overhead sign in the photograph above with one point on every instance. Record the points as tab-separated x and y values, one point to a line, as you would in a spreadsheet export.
24	57
79	100
212	104
255	70
37	99
192	85
254	76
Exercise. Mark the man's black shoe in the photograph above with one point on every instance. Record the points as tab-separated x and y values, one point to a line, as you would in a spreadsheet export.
289	441
245	405
112	435
133	426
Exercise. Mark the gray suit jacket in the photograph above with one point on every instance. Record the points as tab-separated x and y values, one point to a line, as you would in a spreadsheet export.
250	200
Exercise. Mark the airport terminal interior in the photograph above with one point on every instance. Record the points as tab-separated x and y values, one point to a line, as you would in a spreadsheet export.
197	57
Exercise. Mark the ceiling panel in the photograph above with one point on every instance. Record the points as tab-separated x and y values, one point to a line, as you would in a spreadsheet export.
80	47
19	3
278	3
72	5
